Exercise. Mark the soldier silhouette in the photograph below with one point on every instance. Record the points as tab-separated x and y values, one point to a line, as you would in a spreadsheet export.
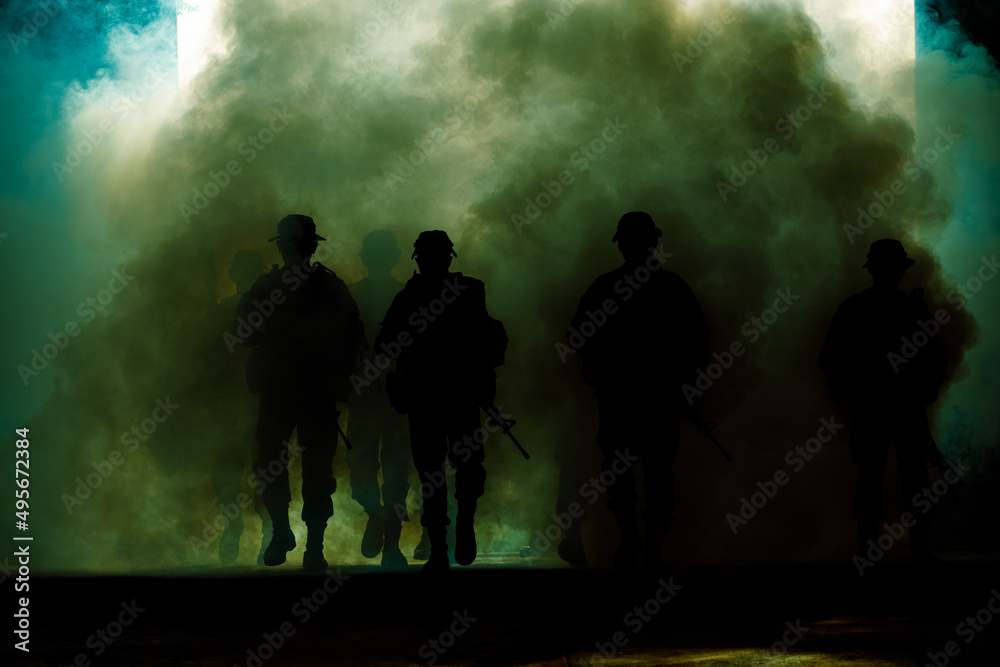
572	473
444	343
373	420
886	392
641	335
306	334
236	404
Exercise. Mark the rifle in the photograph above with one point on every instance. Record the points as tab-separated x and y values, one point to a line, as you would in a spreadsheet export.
336	420
704	429
496	417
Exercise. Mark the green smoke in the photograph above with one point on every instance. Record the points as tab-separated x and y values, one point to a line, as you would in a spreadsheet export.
525	139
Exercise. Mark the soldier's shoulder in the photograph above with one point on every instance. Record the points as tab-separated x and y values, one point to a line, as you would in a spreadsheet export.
332	282
601	287
874	296
410	291
328	274
670	279
468	281
606	280
868	301
855	301
268	279
414	282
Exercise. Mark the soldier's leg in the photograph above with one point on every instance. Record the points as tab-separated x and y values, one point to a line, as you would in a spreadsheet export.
266	528
913	441
466	453
429	446
274	427
395	459
245	420
364	432
318	441
423	549
615	435
869	447
574	471
227	473
661	440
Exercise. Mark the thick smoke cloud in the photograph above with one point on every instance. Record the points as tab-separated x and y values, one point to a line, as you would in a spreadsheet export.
524	131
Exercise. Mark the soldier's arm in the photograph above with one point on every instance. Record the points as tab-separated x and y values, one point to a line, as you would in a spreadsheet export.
483	322
697	328
833	354
347	336
587	302
366	331
477	303
832	349
356	341
480	341
394	321
593	355
241	323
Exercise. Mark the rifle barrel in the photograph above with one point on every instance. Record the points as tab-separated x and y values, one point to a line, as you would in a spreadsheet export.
703	428
498	419
510	435
722	449
344	436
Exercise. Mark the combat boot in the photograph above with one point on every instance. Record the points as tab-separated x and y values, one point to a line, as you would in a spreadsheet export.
627	556
371	541
465	534
437	561
392	557
266	532
282	541
313	559
423	550
571	550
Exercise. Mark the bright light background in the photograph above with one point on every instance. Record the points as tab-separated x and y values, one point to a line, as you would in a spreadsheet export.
198	38
871	43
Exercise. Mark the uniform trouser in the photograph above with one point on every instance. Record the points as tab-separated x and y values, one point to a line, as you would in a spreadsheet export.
574	471
314	413
372	420
446	431
871	431
228	463
646	427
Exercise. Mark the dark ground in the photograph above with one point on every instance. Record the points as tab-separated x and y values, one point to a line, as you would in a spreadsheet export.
894	615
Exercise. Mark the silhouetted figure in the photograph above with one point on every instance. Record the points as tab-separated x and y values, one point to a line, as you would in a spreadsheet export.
305	328
373	420
868	367
642	336
236	404
444	343
572	474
